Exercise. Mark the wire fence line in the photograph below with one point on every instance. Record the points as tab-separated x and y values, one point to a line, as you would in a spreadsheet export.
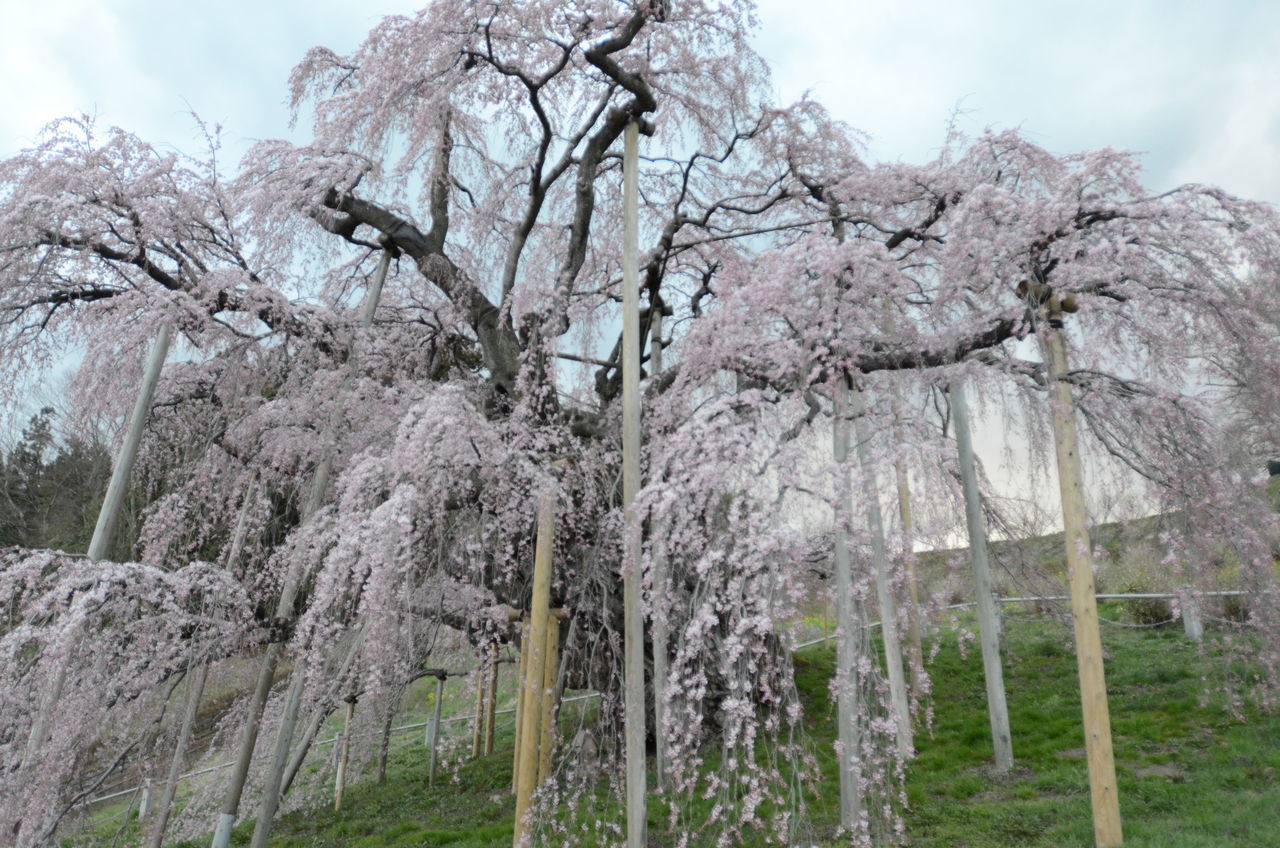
333	740
1104	596
404	728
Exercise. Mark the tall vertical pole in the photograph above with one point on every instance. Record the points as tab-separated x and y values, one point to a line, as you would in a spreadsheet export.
847	675
531	685
108	517
477	724
988	629
344	754
549	668
491	701
520	706
661	631
633	641
266	673
1084	605
884	577
434	736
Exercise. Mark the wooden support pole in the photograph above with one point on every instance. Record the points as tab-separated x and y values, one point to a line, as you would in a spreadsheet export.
549	669
519	716
1084	606
491	701
848	629
531	685
988	629
433	737
633	719
344	754
884	595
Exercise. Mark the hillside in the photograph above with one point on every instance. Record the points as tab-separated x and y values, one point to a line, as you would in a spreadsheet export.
1192	773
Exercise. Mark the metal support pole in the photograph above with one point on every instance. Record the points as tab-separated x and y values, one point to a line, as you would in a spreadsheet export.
848	678
988	628
633	628
344	754
433	737
491	701
880	559
104	531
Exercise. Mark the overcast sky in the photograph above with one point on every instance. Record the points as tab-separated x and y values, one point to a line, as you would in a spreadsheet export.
1193	85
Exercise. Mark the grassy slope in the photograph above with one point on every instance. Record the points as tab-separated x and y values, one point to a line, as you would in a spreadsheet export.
1190	775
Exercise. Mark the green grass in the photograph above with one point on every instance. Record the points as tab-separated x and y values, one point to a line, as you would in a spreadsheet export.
1190	776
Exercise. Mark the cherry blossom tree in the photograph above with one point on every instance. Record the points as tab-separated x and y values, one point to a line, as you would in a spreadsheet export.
475	146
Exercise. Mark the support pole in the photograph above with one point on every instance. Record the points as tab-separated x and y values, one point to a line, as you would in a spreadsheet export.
661	632
988	629
491	701
248	739
284	610
914	650
880	559
848	678
194	694
633	629
433	738
520	707
108	517
1084	606
533	670
320	715
144	804
477	722
275	776
344	754
549	670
